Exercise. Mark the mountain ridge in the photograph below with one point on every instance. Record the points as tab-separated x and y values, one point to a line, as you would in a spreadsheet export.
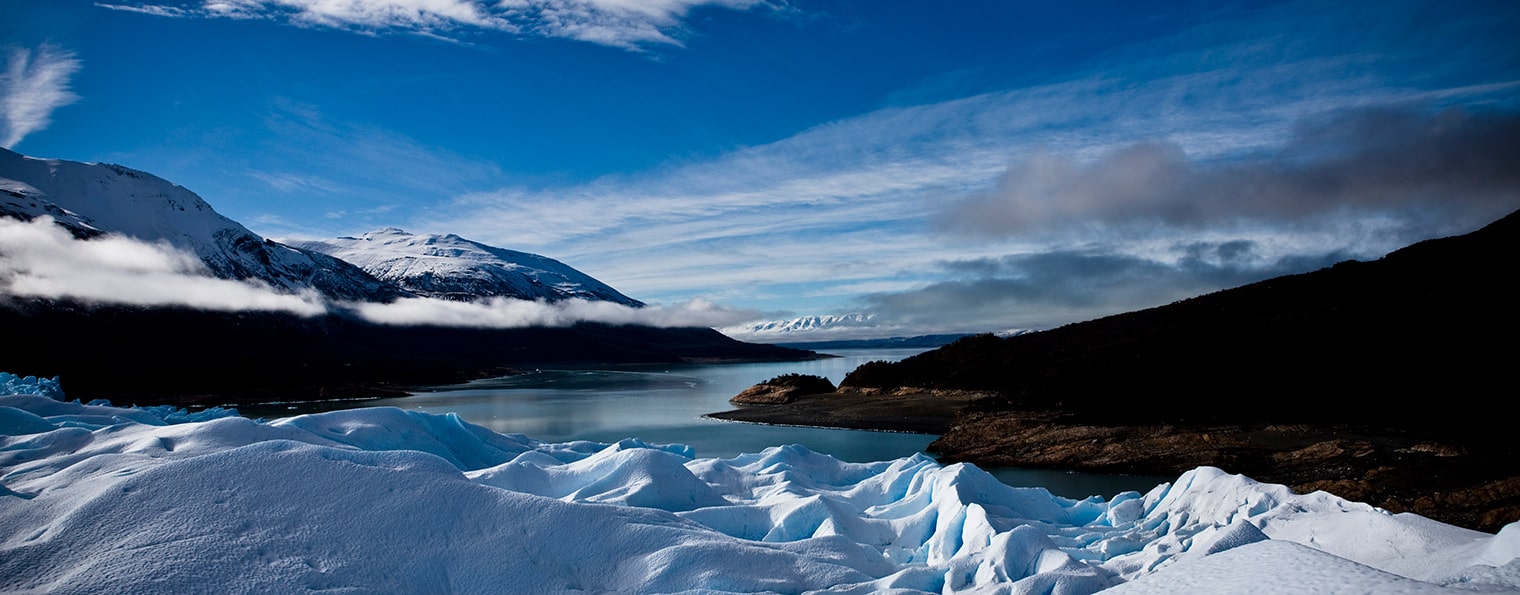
1418	312
91	199
209	357
450	267
1378	381
202	358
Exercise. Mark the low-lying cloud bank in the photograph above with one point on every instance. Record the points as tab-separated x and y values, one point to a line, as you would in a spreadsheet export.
39	259
42	260
498	312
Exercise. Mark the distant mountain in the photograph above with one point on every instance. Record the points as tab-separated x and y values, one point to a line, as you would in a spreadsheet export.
842	331
451	267
805	324
212	357
95	198
918	341
808	328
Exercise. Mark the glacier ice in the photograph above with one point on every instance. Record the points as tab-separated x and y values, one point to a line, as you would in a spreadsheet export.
11	384
101	498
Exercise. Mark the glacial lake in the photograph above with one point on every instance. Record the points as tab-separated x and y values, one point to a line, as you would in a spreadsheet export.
665	403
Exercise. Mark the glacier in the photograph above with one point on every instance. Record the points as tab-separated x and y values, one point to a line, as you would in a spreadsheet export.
100	498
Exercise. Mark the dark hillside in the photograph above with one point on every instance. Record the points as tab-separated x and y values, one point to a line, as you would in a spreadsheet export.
1424	336
183	356
1382	382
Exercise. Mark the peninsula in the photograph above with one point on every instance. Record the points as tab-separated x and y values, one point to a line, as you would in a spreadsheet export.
1372	380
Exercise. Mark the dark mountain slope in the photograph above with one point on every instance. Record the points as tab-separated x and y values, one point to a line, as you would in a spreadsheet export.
1385	382
1425	335
183	356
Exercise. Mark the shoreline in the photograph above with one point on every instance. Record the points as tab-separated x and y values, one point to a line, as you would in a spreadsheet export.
722	416
912	411
1469	484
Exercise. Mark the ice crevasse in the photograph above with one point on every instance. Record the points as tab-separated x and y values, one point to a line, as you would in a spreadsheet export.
100	498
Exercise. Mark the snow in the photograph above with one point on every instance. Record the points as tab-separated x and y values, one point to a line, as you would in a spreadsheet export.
811	328
100	498
11	384
96	198
451	267
93	199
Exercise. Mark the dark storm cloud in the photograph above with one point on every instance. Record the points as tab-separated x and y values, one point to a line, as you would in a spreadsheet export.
1040	290
1453	164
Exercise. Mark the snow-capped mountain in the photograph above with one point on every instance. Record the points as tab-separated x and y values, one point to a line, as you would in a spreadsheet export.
805	329
843	331
96	198
451	267
803	324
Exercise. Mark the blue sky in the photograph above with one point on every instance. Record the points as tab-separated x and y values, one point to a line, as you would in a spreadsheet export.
947	166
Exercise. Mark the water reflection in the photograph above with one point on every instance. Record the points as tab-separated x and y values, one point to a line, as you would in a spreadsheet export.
665	404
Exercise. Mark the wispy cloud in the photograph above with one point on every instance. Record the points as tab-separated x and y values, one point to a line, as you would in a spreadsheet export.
35	83
420	16
331	178
153	9
1258	126
881	197
615	23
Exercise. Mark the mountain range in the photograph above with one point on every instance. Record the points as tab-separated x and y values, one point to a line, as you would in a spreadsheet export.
91	199
802	324
203	357
831	331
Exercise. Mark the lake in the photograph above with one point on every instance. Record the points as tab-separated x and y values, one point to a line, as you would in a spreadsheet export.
665	403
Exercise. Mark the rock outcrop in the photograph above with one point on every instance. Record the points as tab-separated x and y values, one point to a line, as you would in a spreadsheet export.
783	389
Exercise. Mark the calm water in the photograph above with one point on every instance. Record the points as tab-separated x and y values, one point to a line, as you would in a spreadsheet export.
665	404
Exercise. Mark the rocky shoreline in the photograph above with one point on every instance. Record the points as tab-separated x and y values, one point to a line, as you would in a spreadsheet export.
918	411
1378	381
1452	482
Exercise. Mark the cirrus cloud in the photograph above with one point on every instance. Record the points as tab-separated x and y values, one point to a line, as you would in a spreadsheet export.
35	83
615	23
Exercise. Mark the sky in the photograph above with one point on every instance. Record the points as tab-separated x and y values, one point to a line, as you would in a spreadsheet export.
941	166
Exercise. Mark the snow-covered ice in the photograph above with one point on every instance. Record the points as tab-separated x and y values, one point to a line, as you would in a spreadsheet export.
98	498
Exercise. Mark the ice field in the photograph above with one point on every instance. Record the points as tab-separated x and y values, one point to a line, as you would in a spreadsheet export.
99	498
